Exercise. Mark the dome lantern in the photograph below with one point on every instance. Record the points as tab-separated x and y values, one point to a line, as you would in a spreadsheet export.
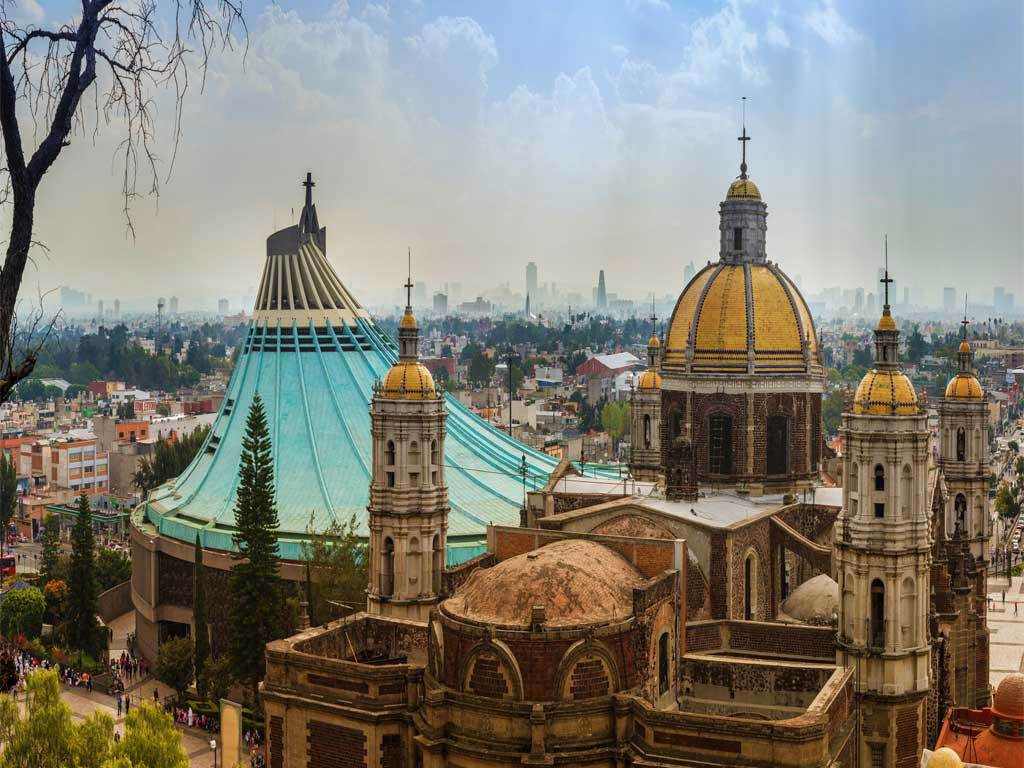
743	215
408	378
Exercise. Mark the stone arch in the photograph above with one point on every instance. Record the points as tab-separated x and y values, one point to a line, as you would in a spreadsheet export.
389	453
646	430
879	477
854	476
849	625
961	444
387	568
906	492
635	526
877	636
908	612
675	423
778	445
413	565
960	512
491	671
586	670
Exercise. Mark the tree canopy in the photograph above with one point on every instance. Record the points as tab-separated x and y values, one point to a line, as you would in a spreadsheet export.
169	459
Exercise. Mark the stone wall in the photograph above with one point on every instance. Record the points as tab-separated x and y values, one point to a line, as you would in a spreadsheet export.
115	602
761	638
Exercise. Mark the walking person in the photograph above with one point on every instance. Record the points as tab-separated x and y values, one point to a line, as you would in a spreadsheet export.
119	705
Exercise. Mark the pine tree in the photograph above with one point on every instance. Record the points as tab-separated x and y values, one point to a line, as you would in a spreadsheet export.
257	604
50	556
202	640
8	497
82	578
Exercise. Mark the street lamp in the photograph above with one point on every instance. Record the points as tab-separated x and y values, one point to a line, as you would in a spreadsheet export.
213	746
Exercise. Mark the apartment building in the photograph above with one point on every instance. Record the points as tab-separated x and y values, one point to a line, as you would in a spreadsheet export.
72	463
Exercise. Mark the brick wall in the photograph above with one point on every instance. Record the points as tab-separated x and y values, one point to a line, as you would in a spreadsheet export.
782	640
334	746
756	535
391	753
908	742
276	740
701	638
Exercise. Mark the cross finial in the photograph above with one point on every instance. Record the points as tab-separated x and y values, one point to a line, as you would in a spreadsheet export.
408	281
743	141
886	280
309	184
964	322
654	318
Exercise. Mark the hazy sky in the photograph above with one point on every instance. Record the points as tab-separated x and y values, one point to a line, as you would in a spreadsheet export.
581	134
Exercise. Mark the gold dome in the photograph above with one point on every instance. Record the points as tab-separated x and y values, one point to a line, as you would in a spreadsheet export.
729	310
408	319
408	381
964	346
944	757
649	381
964	386
885	393
653	342
886	323
743	189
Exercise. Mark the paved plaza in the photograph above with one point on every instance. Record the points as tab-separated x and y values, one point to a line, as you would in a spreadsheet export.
1006	642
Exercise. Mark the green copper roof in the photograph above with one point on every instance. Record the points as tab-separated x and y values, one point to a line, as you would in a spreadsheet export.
315	379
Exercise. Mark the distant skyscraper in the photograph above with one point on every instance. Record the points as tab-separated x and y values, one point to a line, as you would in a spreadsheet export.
99	308
174	306
602	296
531	279
999	299
869	305
688	273
858	300
527	305
440	304
949	299
117	309
222	306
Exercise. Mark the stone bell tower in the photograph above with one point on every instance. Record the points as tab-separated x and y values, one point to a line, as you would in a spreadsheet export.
883	557
645	416
408	506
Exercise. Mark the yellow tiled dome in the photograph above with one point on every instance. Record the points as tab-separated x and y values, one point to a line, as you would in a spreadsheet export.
963	386
649	380
743	189
725	321
408	381
886	323
885	393
408	320
944	757
964	346
653	342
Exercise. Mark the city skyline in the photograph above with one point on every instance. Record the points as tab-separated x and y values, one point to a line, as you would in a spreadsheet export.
615	151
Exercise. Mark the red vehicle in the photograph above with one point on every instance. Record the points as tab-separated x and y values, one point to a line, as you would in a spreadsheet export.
8	565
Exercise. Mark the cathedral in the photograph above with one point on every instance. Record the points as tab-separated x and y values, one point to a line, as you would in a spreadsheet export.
720	607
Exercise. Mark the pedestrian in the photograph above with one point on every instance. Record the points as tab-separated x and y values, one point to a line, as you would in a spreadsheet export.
119	705
127	704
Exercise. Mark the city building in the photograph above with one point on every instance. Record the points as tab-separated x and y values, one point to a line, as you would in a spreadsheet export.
173	306
987	736
531	279
440	304
949	299
608	366
222	307
601	301
67	463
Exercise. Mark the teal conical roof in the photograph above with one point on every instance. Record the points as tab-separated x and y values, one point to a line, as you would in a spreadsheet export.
313	353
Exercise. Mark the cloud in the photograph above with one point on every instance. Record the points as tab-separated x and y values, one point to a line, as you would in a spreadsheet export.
637	6
825	20
26	12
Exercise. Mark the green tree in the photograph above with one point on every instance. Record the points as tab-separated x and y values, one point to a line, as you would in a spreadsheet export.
832	411
82	584
257	603
169	460
126	410
1006	505
337	568
150	740
1013	446
175	664
22	612
49	558
615	420
43	737
218	678
202	632
8	497
112	568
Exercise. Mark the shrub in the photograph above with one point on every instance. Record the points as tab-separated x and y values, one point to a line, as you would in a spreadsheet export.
22	613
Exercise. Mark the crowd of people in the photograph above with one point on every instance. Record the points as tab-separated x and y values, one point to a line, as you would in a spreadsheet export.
185	716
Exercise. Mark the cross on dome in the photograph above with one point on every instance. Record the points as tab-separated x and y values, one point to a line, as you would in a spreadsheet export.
886	280
408	281
743	142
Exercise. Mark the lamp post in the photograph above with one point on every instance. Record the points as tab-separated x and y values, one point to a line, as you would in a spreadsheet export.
213	746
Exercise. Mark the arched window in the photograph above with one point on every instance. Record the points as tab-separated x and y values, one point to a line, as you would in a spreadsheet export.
960	507
436	565
663	665
750	587
412	570
849	621
434	455
414	455
961	445
387	567
854	472
879	477
906	492
908	608
877	614
389	453
720	444
778	445
647	430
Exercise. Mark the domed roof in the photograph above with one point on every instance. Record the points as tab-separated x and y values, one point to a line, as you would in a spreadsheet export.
743	189
1009	699
886	322
649	380
944	757
731	310
578	582
885	393
408	381
814	601
408	319
964	346
964	386
653	342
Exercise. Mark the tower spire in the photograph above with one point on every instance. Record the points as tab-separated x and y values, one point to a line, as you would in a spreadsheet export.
408	280
654	318
743	139
886	280
964	323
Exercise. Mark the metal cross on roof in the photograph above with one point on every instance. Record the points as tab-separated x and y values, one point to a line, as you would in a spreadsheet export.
743	141
886	280
408	281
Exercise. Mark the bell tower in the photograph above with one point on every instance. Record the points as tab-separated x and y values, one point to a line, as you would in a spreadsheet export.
645	414
883	557
408	506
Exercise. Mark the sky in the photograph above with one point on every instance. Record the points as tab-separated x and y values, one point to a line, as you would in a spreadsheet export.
580	134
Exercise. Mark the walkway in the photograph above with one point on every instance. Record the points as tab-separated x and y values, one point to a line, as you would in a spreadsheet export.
1006	642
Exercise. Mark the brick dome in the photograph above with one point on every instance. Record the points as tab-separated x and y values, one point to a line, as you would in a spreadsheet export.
1009	699
577	582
